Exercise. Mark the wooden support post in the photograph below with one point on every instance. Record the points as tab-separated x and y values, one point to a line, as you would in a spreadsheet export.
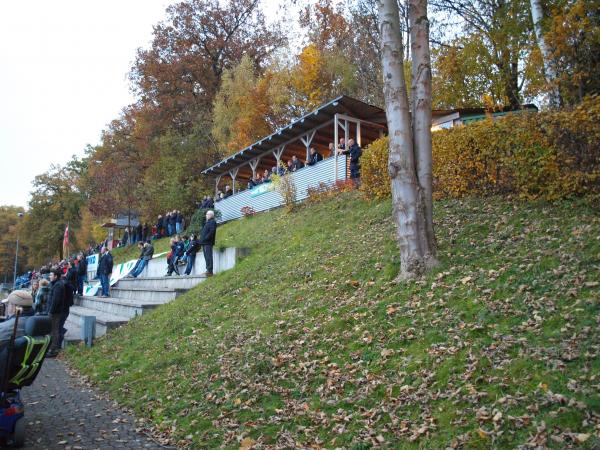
254	165
346	133
307	140
358	134
277	154
218	180
233	173
335	147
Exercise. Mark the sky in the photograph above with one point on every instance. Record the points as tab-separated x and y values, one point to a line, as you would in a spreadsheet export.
63	77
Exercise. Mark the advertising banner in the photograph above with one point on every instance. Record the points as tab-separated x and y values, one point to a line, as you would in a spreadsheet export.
119	271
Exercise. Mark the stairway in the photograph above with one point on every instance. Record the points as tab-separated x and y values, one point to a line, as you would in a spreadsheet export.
131	297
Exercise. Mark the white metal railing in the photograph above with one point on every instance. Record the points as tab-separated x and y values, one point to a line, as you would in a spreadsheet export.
263	197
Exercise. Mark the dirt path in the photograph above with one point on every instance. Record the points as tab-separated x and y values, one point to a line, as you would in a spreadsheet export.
61	412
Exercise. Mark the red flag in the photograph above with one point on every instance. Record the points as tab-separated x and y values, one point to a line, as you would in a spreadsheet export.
66	243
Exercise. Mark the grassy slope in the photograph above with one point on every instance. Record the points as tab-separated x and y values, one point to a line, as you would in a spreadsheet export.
309	342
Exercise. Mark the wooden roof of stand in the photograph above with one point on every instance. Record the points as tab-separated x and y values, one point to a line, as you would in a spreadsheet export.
298	128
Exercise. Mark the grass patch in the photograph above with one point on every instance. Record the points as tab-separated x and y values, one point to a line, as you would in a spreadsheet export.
309	342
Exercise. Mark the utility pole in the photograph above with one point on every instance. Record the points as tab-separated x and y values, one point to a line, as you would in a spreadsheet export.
20	215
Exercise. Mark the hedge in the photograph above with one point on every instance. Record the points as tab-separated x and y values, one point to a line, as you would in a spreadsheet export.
547	155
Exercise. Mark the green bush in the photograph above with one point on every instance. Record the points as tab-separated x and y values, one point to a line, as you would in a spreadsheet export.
199	219
548	155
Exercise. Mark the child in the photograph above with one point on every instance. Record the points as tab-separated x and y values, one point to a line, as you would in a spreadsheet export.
172	257
186	246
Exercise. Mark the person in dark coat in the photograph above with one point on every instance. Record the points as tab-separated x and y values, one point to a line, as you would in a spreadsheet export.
145	231
228	192
56	306
159	226
81	272
70	290
139	232
173	223
105	268
207	240
193	248
355	153
314	157
296	164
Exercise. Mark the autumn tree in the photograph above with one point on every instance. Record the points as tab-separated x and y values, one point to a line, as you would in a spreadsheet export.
114	176
573	37
180	74
410	160
502	30
464	75
248	106
173	179
10	222
55	202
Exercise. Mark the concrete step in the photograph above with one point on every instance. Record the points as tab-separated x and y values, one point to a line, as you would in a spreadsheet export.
104	321
73	334
145	294
118	306
172	282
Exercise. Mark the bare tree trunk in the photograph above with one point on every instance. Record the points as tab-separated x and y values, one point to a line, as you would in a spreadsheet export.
407	198
537	15
421	116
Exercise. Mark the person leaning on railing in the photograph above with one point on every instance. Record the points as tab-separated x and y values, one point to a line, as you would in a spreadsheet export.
314	157
355	152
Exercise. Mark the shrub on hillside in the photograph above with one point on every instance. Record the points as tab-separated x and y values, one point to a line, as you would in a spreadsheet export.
287	189
199	219
548	155
375	179
323	191
247	211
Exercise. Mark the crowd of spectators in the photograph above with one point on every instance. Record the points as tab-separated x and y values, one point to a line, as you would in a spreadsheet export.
169	224
50	291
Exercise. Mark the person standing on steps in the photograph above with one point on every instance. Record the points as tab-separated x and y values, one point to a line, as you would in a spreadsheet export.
70	290
81	273
105	268
207	240
56	305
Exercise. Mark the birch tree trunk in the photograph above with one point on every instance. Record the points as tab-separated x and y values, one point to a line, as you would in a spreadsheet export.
537	16
421	116
407	197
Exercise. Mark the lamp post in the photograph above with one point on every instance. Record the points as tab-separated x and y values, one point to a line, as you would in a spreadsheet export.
20	215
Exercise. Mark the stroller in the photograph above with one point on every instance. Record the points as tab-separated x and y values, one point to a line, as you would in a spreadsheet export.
20	362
